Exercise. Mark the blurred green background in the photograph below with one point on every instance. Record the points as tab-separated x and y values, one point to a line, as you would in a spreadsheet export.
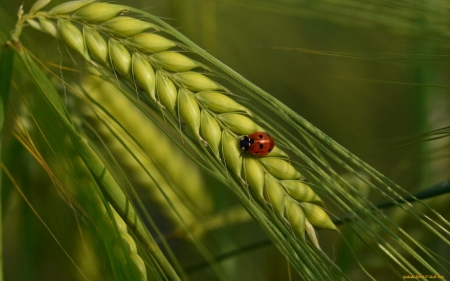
370	74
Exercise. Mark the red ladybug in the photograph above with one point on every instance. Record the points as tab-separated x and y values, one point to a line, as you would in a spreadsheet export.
257	144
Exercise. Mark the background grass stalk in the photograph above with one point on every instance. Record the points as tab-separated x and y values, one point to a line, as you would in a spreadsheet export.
6	68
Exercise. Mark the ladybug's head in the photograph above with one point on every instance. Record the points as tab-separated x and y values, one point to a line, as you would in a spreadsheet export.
245	143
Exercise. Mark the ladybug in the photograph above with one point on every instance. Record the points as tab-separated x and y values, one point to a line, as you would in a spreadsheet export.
257	144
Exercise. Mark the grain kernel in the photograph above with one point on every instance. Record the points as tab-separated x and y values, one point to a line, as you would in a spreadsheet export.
274	194
317	216
71	36
231	152
254	175
38	5
196	82
276	152
35	24
98	49
120	57
167	92
300	191
98	12
296	217
174	61
280	169
239	124
151	43
127	26
138	265
211	131
69	7
48	26
218	102
189	110
144	75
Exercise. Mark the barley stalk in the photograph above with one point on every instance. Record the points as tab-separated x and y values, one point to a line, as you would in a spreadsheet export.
173	81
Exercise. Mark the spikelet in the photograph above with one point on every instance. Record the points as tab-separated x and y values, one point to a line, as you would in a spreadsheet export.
174	61
167	92
69	7
317	216
96	45
38	5
144	75
196	82
120	57
254	175
71	36
189	110
98	12
296	217
151	43
48	26
280	168
218	102
126	26
211	131
300	191
231	153
274	195
239	124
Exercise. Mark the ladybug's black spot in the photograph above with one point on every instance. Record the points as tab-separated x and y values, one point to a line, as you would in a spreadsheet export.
260	136
261	146
256	152
270	149
252	141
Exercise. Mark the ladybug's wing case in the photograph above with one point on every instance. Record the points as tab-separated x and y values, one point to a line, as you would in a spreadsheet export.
262	145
